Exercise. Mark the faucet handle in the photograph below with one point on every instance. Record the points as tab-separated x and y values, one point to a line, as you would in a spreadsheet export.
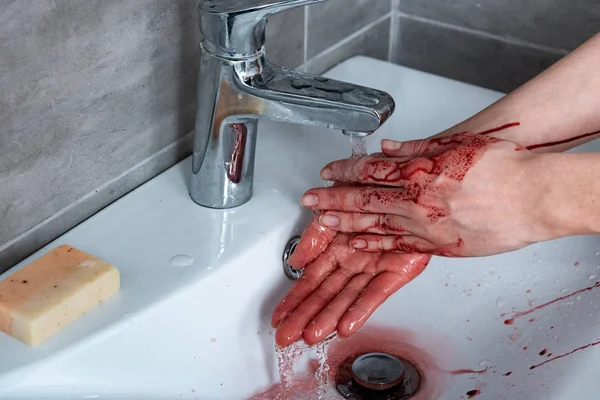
236	28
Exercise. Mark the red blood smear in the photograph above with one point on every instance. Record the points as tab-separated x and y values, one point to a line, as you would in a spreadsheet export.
301	389
234	173
528	291
576	264
213	340
399	342
473	393
518	314
469	371
404	344
532	320
566	354
548	144
543	352
500	128
525	348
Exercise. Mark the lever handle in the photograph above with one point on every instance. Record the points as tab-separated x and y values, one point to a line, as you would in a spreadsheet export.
236	28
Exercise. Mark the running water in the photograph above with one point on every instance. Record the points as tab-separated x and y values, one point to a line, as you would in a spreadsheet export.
322	373
359	147
286	359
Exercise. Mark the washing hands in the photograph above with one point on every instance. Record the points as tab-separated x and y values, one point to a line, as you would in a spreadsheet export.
494	183
374	231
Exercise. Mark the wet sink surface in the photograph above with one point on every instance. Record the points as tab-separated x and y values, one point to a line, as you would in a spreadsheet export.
198	285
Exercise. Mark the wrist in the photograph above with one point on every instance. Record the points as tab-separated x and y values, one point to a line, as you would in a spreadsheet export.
561	206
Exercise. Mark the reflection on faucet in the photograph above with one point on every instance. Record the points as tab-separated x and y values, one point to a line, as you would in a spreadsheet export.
237	88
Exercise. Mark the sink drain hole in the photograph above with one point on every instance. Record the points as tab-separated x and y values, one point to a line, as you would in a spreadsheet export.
377	376
291	272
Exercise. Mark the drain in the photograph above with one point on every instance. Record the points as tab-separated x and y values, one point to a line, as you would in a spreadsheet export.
377	376
291	272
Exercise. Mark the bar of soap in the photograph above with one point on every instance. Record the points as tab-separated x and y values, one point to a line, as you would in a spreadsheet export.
52	292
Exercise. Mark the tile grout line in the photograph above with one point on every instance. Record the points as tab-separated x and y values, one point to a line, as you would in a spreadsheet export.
487	35
306	16
393	34
350	38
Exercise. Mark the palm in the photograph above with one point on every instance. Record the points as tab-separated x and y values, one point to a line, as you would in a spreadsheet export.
340	288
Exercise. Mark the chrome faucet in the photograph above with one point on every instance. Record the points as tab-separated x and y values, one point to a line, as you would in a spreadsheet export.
237	85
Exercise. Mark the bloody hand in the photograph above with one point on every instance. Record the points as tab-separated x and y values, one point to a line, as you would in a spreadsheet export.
340	288
461	195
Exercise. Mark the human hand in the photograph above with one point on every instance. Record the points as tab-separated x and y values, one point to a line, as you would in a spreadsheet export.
461	195
340	288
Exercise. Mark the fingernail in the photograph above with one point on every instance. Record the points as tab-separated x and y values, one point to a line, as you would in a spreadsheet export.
309	200
329	220
359	244
391	144
326	174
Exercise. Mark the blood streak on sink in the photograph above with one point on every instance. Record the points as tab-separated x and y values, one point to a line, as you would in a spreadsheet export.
398	342
518	314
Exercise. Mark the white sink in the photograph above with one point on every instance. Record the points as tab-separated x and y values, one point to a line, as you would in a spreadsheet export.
202	330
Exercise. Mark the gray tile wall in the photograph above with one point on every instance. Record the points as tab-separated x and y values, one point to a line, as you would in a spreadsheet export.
97	96
491	43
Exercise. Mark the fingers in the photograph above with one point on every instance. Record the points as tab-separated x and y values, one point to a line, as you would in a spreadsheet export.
369	170
291	329
411	148
313	243
378	291
314	275
325	323
362	199
419	148
382	224
392	243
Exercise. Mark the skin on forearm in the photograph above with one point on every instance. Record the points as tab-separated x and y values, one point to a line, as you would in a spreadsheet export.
567	191
556	111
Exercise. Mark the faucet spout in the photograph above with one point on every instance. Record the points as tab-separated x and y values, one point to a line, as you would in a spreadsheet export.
235	91
290	96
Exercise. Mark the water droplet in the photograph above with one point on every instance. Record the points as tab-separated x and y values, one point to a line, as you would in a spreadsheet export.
240	96
592	277
500	302
597	253
514	336
557	282
484	363
539	328
181	260
565	290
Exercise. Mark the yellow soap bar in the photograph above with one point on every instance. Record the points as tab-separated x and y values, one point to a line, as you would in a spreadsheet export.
52	292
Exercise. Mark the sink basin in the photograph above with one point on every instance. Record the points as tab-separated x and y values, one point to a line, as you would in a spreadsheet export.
199	285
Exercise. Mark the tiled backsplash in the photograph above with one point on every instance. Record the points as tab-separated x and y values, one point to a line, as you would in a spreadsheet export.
499	44
97	96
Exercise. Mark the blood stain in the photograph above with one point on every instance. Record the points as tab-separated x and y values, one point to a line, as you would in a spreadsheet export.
508	373
543	352
566	354
518	314
548	144
500	128
402	343
473	393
